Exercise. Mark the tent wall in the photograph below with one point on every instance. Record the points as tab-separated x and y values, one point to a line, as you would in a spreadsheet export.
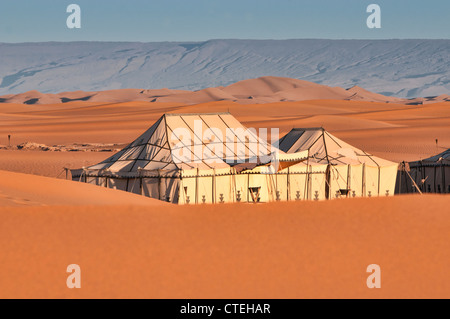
150	187
241	186
298	187
118	183
447	178
316	186
300	182
356	181
402	185
134	186
164	188
388	177
339	179
429	179
218	187
99	181
204	189
371	178
170	188
224	190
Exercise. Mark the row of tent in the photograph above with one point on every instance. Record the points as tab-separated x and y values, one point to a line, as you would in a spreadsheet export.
235	165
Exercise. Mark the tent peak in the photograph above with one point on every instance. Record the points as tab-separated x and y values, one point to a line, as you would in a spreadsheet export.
207	113
309	129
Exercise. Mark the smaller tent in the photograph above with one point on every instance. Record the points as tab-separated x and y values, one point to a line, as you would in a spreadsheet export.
431	175
343	170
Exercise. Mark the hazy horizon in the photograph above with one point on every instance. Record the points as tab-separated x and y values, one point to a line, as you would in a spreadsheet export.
229	39
200	20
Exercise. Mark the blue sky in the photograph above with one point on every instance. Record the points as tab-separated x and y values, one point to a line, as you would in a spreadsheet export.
198	20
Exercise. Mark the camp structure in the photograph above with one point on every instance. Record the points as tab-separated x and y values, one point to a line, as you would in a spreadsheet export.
194	158
334	169
431	175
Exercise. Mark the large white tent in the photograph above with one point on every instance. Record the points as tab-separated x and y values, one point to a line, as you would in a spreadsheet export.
194	158
431	175
342	170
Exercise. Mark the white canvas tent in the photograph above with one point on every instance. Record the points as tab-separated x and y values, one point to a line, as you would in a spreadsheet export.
343	170
431	175
194	158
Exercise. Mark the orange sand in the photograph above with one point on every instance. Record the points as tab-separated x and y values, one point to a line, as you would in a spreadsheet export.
158	250
394	131
279	250
18	189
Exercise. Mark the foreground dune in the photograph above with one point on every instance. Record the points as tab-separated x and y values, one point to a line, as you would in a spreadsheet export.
18	189
50	164
279	250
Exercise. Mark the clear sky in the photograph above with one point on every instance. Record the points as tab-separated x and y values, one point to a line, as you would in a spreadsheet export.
198	20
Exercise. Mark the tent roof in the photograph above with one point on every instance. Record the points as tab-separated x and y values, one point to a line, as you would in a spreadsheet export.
325	148
441	158
162	146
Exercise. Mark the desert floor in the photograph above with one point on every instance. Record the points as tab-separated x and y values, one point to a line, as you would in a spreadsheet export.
131	246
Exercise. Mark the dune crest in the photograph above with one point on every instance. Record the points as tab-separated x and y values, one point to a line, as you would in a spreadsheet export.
17	189
266	89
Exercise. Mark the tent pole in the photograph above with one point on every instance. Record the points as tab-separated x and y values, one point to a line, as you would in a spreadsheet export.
276	182
423	177
272	185
248	187
443	177
214	186
328	181
196	187
305	191
363	194
414	183
232	171
159	184
349	180
141	188
379	176
288	186
435	186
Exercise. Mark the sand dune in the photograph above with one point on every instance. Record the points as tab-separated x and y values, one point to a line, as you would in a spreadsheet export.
201	96
32	97
18	189
394	131
266	85
108	96
265	89
358	93
279	250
